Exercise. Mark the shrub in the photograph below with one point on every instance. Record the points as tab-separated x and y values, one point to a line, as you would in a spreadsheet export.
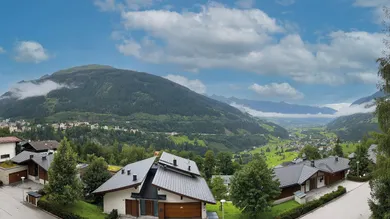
1	183
113	214
56	210
359	178
309	206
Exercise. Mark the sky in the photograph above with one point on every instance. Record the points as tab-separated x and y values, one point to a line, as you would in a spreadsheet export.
298	51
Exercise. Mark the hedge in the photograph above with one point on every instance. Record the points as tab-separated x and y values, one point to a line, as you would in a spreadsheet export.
56	210
359	179
113	214
309	206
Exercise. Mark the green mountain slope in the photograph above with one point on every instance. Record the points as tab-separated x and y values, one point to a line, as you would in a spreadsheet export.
354	127
127	98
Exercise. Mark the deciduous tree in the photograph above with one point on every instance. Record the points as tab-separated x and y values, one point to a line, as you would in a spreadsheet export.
209	164
95	175
224	163
218	188
338	150
310	152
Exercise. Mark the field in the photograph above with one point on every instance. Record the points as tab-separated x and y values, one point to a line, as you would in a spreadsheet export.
182	139
231	212
349	147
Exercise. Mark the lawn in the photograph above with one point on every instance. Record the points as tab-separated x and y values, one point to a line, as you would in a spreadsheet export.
7	164
231	212
349	147
86	210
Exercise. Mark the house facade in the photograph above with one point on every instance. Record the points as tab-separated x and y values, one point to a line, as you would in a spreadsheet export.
10	173
310	175
170	188
8	148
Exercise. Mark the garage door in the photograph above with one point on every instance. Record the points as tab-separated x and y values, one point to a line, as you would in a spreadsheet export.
183	210
16	177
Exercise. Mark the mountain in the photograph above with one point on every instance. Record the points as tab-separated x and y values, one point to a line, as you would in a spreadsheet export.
104	94
276	107
370	98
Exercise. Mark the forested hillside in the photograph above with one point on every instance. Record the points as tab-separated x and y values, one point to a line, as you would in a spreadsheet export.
139	100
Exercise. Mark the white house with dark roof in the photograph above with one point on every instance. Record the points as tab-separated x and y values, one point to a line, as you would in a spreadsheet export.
170	188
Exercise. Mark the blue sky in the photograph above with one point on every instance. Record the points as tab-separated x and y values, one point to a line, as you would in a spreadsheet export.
299	51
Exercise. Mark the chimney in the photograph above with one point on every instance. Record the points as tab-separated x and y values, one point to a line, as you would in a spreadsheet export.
336	158
135	177
43	157
123	171
189	168
312	163
128	172
174	162
31	156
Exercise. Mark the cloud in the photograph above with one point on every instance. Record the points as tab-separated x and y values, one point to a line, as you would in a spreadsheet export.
121	5
377	6
219	37
365	77
337	106
344	111
282	90
30	51
285	2
29	89
2	50
245	3
194	85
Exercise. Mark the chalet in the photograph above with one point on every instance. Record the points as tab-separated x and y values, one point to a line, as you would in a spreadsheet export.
9	172
37	165
8	147
309	175
170	188
40	146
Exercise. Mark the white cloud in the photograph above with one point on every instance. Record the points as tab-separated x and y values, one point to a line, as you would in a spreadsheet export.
121	5
245	3
343	111
337	106
282	90
28	89
30	51
377	6
194	85
248	40
285	2
2	50
365	77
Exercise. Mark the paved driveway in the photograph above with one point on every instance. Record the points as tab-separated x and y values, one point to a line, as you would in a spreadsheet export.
352	205
12	207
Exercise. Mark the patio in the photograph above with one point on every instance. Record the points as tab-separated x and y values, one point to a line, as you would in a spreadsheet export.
317	193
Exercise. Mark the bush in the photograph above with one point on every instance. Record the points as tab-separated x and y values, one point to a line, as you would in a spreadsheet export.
359	178
309	206
1	183
56	210
113	214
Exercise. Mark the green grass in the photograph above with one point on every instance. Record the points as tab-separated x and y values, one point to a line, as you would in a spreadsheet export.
231	212
86	210
181	139
113	168
349	147
7	164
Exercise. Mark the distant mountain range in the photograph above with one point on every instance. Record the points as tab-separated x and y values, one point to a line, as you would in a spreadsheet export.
104	94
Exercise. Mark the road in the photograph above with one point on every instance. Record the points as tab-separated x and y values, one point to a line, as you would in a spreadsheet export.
11	206
352	205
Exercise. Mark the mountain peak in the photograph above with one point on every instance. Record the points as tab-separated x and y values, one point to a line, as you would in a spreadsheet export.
82	67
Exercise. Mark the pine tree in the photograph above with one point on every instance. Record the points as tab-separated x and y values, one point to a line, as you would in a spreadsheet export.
209	164
64	185
338	150
380	184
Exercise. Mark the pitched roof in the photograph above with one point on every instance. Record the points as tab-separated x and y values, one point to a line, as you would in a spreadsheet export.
372	153
182	163
37	158
10	139
194	187
294	174
226	178
122	181
44	145
330	164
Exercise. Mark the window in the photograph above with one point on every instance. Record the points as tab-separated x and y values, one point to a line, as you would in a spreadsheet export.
181	197
4	156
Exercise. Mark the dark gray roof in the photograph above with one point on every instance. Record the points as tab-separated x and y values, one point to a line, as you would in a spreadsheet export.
226	178
372	153
121	181
294	174
182	163
330	164
351	155
44	145
37	158
194	187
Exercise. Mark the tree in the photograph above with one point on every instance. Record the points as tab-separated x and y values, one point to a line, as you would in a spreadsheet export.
380	184
218	189
253	188
361	155
64	186
224	163
4	132
209	164
95	175
338	150
310	152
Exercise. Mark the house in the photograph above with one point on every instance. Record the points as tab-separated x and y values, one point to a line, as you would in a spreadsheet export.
372	153
8	147
170	188
40	146
37	165
226	179
310	175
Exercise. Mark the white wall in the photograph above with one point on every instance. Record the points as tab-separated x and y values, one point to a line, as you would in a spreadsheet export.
116	200
7	148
